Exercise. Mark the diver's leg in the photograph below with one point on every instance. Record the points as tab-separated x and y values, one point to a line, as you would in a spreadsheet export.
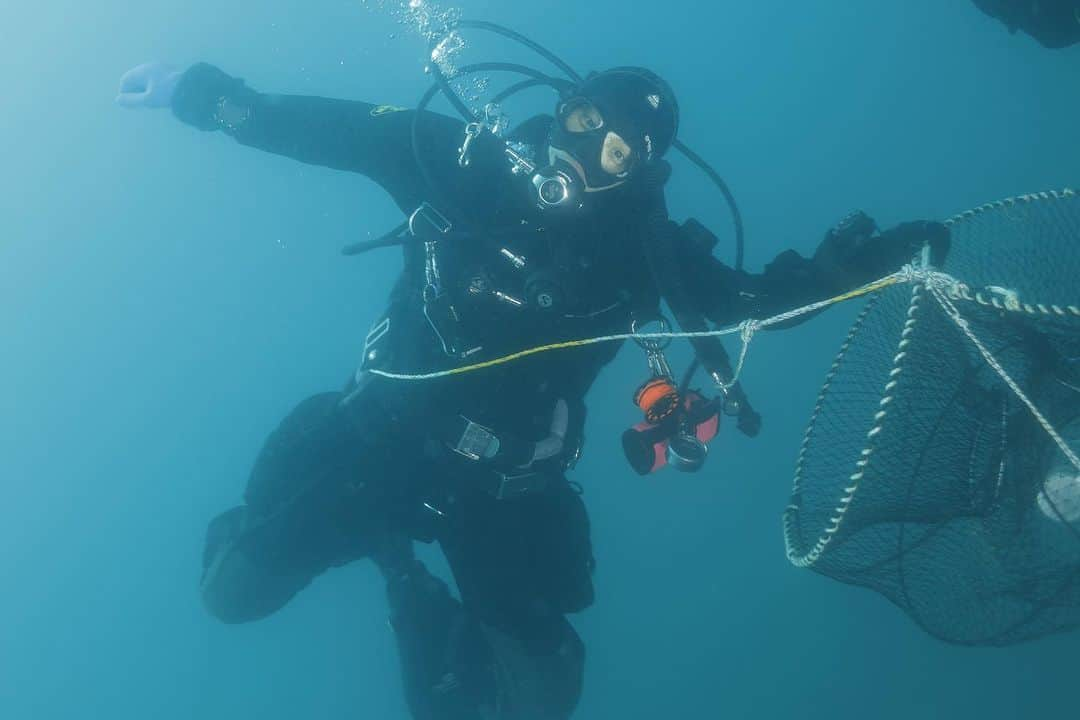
522	565
314	500
509	651
445	659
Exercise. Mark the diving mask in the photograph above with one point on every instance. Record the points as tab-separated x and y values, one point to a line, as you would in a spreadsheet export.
594	146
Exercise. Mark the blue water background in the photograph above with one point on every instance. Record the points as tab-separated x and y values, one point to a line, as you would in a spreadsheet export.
166	296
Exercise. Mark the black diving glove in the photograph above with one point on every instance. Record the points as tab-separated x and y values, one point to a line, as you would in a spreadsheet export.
912	237
855	252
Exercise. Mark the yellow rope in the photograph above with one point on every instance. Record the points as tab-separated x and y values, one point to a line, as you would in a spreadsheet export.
568	344
867	289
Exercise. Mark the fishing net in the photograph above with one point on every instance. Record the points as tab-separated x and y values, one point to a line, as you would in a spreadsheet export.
940	465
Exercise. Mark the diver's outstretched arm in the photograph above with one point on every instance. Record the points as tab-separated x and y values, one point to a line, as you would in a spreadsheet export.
851	255
372	140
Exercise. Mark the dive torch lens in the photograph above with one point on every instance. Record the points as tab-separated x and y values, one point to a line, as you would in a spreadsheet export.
686	453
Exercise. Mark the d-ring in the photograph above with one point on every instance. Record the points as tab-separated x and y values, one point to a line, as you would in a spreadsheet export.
652	344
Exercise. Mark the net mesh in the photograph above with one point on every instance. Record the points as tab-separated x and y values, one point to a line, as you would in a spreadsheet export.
925	475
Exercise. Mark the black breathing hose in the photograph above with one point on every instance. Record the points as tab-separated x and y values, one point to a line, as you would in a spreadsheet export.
736	215
662	254
532	45
517	88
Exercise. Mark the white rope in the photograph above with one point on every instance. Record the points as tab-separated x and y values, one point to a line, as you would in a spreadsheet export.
954	314
746	329
792	511
746	334
855	480
1007	203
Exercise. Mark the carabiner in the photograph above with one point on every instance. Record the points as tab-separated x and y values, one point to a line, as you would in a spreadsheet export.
472	131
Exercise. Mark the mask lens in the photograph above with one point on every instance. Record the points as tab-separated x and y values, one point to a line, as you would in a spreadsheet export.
581	116
618	157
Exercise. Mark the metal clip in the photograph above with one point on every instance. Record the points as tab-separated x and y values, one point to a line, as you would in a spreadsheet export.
508	299
432	219
519	164
732	405
427	224
654	347
574	456
518	261
472	131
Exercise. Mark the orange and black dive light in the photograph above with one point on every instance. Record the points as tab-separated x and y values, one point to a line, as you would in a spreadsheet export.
681	438
678	424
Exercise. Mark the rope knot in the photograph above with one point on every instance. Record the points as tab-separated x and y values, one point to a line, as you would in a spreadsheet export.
747	330
911	273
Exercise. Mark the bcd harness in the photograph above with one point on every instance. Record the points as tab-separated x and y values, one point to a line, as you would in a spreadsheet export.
679	422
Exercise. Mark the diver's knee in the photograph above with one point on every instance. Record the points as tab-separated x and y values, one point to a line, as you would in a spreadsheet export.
235	591
234	588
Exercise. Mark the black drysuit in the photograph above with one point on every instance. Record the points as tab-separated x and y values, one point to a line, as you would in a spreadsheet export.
1054	23
347	469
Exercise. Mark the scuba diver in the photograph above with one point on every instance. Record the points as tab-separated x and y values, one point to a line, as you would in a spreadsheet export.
557	232
1054	23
